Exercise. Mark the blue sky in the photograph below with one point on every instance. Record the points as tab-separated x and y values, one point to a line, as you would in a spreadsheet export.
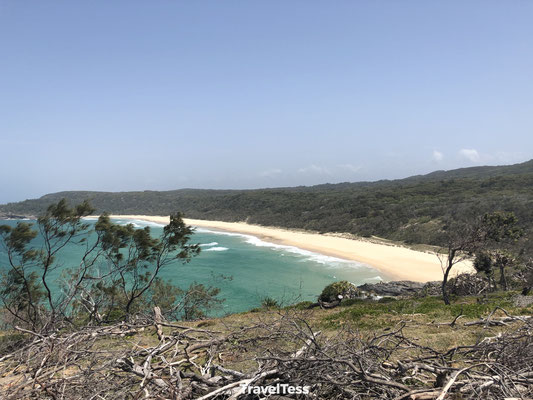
135	95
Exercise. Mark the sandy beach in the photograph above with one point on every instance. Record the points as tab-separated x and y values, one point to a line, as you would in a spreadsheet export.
395	262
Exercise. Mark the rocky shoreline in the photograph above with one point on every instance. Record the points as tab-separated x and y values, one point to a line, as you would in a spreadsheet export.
394	288
15	216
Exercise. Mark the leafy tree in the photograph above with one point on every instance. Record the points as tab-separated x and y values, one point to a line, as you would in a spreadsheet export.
116	276
137	258
504	233
21	293
483	264
59	226
464	239
26	284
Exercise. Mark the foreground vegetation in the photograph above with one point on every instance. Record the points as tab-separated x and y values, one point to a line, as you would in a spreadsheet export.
118	274
390	349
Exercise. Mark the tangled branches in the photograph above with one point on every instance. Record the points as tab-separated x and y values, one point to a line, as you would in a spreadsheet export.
159	360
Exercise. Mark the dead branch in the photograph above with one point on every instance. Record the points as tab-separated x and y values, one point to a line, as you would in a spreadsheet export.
140	360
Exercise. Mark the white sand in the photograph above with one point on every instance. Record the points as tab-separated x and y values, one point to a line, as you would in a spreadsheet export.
395	262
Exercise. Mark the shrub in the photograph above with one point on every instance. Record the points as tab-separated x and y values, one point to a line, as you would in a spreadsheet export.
269	302
339	290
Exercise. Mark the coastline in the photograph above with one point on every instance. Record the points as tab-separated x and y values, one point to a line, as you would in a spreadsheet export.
396	262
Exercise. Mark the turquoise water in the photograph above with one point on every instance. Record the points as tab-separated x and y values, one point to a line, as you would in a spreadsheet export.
258	269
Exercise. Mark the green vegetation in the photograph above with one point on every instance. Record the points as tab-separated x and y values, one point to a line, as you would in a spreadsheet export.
480	235
117	276
338	290
269	303
375	314
412	210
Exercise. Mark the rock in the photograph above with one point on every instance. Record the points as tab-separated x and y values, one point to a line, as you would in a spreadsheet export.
433	288
393	289
15	216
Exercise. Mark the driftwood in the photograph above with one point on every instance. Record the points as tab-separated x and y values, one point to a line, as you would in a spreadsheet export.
154	359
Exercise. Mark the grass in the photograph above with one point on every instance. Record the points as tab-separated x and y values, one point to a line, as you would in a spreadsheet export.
372	314
420	315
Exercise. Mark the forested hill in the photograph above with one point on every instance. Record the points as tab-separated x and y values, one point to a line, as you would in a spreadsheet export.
408	209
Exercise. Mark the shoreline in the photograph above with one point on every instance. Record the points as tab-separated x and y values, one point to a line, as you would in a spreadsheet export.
393	261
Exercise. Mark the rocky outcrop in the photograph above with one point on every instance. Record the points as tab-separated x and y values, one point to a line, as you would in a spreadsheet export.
461	285
14	216
393	289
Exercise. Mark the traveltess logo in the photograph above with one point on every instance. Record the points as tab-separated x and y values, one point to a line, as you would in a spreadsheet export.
280	388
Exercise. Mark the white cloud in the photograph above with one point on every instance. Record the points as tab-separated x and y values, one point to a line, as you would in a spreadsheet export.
437	155
314	169
470	154
349	167
269	173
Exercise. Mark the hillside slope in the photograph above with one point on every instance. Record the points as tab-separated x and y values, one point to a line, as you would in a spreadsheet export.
406	209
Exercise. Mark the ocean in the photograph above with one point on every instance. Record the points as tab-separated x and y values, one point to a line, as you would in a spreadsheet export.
253	269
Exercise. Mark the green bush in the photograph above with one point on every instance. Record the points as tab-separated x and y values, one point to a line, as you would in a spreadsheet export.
340	288
269	302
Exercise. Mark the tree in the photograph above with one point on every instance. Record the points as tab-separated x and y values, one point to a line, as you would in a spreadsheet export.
21	293
137	258
502	259
465	238
196	300
26	293
60	226
504	232
118	266
483	263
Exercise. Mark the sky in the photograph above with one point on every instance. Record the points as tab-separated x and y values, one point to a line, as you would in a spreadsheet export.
161	95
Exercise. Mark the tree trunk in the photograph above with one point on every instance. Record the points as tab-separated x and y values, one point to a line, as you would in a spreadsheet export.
503	279
445	294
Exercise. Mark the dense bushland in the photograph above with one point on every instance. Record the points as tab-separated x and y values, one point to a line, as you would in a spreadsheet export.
412	210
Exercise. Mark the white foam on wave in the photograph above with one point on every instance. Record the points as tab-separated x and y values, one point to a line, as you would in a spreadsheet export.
208	244
138	223
220	248
307	255
374	278
204	230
